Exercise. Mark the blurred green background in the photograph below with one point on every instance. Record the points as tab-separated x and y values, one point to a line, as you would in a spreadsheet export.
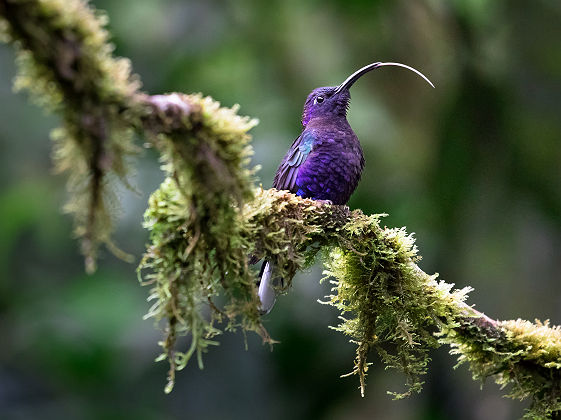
473	167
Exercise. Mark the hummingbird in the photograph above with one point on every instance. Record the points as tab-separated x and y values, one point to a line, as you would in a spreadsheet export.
325	161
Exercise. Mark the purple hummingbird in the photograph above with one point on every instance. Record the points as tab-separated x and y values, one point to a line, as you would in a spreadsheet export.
325	162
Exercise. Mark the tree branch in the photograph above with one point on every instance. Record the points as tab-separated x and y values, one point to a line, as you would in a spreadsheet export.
65	61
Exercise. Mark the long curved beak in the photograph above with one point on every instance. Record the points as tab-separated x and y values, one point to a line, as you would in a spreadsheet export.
361	72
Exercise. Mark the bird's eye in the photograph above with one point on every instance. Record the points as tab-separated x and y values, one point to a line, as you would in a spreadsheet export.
318	100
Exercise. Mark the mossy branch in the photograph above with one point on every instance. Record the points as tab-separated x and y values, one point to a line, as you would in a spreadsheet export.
65	61
206	218
387	302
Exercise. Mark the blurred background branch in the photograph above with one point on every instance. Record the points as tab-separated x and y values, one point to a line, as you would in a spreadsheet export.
497	143
65	59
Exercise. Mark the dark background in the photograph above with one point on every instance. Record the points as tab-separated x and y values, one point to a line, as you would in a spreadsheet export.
473	167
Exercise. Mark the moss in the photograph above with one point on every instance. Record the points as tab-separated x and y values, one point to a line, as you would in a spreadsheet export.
533	365
65	62
383	301
197	247
542	342
387	304
518	355
199	251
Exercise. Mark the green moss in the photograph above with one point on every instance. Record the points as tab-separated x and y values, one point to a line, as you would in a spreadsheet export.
533	365
387	304
518	355
381	296
383	300
65	62
542	342
198	251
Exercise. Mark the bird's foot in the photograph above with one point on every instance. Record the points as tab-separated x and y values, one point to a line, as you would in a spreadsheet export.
324	202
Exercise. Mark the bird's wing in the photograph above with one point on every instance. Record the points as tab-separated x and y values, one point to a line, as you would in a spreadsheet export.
285	178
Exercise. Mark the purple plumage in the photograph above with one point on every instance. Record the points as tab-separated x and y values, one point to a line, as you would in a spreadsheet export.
333	167
325	162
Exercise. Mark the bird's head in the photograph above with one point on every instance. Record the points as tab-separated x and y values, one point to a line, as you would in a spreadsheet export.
334	101
325	102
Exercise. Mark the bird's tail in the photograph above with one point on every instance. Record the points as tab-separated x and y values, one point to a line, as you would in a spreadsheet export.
267	293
